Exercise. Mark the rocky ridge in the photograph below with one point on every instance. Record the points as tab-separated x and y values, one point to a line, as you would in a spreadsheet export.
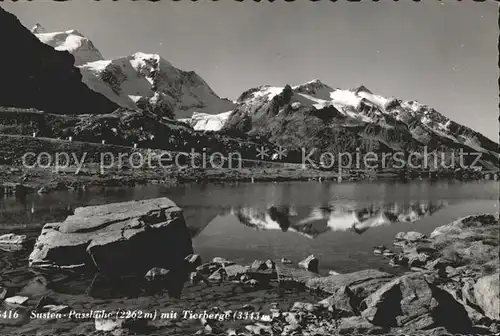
45	78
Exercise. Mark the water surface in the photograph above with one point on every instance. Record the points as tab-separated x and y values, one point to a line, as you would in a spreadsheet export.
339	223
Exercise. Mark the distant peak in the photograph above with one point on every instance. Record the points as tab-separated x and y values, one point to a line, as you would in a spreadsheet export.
38	29
315	81
146	55
361	88
312	84
74	32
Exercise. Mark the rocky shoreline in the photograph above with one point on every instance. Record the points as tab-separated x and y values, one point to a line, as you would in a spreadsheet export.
449	285
20	181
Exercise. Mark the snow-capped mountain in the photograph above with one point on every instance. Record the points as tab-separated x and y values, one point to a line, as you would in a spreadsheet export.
149	81
308	115
296	115
71	41
138	81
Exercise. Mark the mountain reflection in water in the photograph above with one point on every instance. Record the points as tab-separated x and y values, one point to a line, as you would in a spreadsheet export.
312	222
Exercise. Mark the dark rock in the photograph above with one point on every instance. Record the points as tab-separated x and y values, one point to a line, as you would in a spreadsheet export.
438	264
310	263
399	302
47	79
456	290
412	303
449	313
343	302
427	250
119	238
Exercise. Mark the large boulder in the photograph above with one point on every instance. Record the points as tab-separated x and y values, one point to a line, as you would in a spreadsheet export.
310	263
361	283
413	302
469	222
293	276
343	302
470	241
119	238
487	295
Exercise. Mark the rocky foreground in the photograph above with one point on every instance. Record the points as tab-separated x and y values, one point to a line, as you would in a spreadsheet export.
450	283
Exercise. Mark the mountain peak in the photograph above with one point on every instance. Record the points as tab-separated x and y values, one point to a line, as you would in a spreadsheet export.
315	81
144	55
361	88
312	84
71	41
74	32
38	29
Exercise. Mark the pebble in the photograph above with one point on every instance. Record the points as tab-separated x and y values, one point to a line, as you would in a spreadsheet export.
56	309
17	300
157	273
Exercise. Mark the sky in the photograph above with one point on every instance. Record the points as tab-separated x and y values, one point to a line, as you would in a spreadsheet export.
443	54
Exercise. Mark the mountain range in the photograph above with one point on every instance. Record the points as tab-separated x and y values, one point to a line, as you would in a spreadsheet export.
137	81
309	115
314	115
